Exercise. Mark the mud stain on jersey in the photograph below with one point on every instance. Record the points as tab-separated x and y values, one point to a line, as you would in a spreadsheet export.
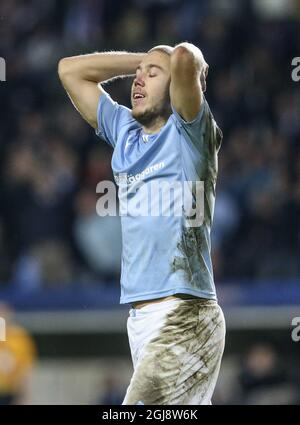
191	246
182	363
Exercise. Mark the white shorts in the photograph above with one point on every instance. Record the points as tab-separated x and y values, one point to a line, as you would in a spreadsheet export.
176	347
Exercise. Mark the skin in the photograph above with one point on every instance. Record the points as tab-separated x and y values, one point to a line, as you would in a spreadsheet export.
82	76
157	78
153	76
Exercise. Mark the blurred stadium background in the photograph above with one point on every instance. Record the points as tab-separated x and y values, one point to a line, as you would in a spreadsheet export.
59	267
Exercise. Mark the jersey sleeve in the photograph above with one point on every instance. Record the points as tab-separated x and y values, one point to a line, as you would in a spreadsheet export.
111	118
203	131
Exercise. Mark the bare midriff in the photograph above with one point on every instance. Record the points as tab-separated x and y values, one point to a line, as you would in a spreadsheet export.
140	304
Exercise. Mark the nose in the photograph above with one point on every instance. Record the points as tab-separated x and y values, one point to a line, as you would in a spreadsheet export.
139	81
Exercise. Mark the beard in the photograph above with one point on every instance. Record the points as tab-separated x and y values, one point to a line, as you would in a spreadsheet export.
149	116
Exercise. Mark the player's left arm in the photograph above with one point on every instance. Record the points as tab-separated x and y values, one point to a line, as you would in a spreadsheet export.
188	73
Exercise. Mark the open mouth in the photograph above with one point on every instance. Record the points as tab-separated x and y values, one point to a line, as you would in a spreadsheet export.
137	96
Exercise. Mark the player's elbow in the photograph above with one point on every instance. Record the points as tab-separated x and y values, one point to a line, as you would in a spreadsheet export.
61	69
187	59
183	63
64	68
182	57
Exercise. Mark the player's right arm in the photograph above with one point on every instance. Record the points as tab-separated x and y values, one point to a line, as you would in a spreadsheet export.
81	75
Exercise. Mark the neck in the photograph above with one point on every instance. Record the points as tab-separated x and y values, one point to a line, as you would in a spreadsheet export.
155	126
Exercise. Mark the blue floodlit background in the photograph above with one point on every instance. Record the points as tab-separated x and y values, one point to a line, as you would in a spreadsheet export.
60	262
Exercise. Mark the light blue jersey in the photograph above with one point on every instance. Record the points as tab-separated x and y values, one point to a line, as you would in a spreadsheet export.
161	254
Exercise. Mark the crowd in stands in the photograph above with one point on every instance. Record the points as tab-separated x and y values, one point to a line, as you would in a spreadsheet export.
51	160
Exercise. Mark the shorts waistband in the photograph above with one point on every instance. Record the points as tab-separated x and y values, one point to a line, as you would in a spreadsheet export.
157	306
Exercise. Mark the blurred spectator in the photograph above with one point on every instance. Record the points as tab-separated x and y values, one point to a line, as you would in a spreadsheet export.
98	238
83	21
17	358
112	394
46	264
264	380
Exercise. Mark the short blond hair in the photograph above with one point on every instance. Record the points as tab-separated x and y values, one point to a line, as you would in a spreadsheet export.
162	48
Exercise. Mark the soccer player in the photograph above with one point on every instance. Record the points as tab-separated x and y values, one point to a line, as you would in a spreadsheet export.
176	328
